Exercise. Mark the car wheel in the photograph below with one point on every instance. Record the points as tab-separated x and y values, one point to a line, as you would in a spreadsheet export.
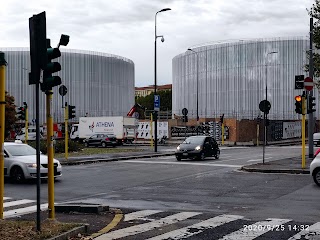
217	154
103	144
178	158
17	174
316	176
202	156
86	144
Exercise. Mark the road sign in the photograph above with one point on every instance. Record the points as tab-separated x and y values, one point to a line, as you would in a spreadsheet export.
63	90
298	81
265	106
185	111
156	102
308	83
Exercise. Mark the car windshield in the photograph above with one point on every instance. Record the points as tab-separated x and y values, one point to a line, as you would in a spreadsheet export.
20	150
193	140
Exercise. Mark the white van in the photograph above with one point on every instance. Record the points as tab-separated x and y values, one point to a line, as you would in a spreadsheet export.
32	132
316	139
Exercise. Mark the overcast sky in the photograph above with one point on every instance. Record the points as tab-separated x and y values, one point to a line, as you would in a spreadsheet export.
127	27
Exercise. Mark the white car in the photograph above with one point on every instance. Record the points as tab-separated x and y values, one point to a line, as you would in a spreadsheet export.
20	162
315	167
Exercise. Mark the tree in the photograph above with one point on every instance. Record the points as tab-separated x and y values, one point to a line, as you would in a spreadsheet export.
165	100
314	12
10	115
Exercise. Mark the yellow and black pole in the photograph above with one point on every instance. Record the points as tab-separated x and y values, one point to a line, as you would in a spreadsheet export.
303	128
66	136
26	123
2	126
50	155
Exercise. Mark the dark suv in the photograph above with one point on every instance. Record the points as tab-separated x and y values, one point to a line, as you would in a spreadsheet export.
102	140
198	147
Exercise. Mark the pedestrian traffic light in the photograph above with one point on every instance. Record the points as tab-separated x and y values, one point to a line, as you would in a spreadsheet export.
22	113
71	111
50	81
184	118
311	104
298	104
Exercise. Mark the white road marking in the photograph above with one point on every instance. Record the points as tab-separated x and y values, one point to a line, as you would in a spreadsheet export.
255	230
185	163
139	214
308	233
197	228
6	198
136	229
18	202
21	211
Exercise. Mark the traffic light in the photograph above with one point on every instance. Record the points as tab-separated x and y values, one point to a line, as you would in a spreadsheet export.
311	104
22	113
221	118
298	104
37	32
71	111
184	118
50	81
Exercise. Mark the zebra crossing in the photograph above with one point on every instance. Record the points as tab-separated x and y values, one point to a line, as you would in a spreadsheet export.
15	208
169	225
161	225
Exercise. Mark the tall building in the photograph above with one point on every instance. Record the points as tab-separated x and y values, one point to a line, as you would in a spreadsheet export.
234	77
98	84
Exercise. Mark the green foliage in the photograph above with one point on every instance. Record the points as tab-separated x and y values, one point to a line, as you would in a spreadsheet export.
315	13
165	100
10	114
59	146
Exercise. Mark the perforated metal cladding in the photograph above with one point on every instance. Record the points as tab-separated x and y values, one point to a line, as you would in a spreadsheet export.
233	75
98	84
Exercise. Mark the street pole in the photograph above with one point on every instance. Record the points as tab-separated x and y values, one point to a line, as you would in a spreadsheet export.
265	115
155	76
66	136
197	89
2	126
50	155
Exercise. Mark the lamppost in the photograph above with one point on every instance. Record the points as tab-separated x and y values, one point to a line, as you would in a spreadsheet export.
155	74
189	49
265	115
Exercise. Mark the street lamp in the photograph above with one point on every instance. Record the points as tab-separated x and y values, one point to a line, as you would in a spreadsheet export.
265	114
189	49
155	74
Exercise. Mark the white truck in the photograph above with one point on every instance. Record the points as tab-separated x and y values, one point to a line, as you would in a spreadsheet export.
124	128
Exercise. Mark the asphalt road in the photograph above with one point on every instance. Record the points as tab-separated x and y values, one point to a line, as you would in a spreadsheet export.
212	186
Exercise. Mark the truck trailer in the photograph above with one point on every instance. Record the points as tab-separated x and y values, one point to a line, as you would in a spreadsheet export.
124	128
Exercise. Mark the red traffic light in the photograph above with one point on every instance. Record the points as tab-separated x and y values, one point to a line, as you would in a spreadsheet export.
298	98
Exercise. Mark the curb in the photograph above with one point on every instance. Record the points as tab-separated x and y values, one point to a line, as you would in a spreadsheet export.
73	232
290	171
98	160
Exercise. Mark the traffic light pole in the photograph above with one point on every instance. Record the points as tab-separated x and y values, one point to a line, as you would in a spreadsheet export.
66	137
2	126
303	128
26	125
50	155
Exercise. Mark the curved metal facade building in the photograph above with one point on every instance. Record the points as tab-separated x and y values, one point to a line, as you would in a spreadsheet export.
233	78
98	84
